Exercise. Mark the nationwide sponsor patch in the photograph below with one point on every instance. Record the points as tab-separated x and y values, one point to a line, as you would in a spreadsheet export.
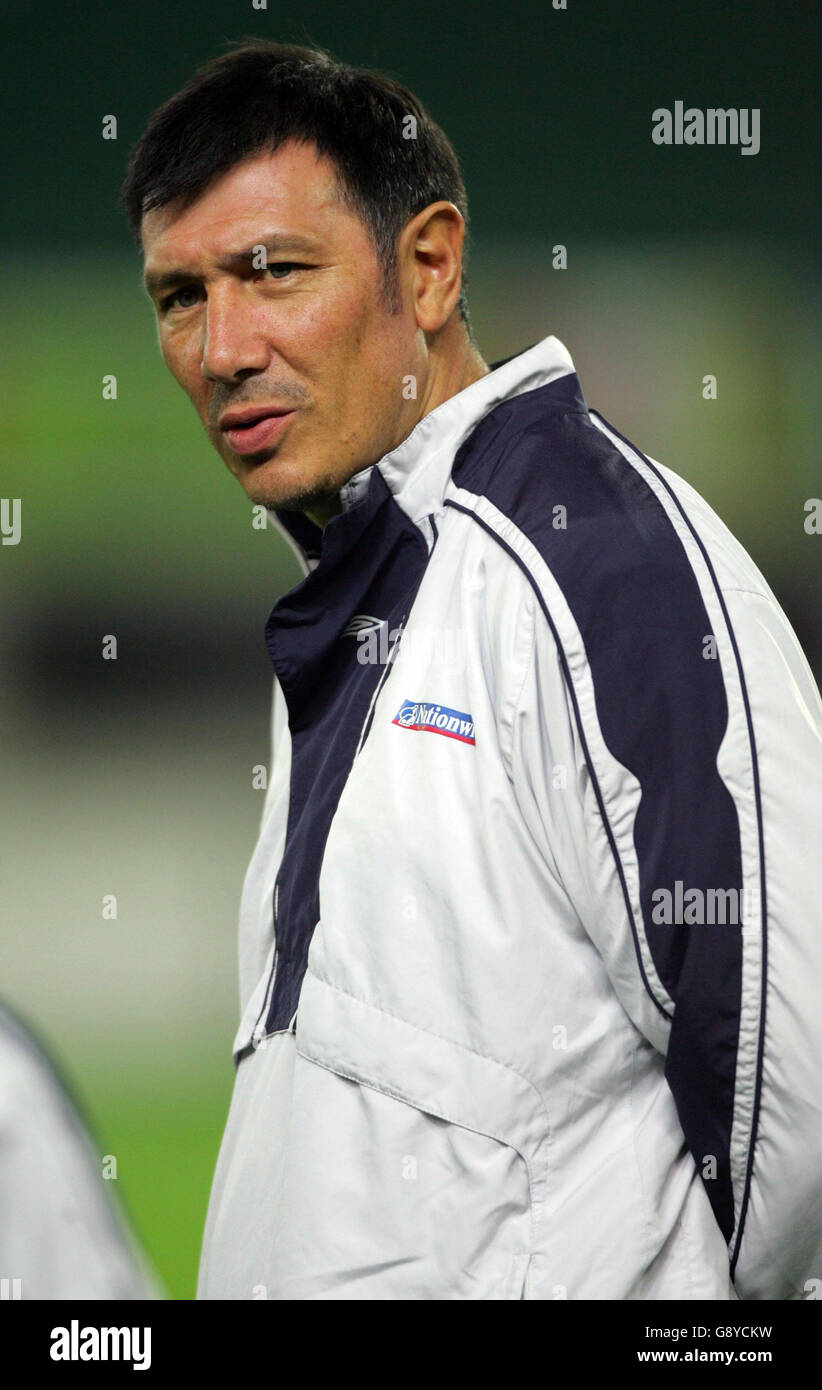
435	719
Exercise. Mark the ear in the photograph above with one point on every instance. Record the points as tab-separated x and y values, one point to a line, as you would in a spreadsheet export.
429	262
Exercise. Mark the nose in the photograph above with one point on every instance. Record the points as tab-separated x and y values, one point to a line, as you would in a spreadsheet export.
234	347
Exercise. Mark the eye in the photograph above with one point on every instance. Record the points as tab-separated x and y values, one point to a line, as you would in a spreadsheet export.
285	266
184	298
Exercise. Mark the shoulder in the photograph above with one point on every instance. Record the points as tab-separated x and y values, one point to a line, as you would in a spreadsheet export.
550	480
627	598
598	528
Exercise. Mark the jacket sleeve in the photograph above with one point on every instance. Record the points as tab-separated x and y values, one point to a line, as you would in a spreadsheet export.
676	787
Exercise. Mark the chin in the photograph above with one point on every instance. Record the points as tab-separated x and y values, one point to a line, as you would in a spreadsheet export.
264	483
272	483
261	496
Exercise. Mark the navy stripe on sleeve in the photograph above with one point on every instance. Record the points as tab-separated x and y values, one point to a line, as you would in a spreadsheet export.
662	710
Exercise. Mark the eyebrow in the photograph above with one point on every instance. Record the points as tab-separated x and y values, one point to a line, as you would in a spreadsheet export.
275	243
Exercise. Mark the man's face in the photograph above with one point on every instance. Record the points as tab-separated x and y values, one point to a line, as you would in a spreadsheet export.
295	366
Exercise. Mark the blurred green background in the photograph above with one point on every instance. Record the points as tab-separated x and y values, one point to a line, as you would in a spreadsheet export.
134	777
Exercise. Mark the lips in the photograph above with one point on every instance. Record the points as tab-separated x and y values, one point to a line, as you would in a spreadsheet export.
249	431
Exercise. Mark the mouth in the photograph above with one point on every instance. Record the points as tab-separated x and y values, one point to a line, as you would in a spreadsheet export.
249	431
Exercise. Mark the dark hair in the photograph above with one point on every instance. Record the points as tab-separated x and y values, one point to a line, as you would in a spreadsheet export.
261	94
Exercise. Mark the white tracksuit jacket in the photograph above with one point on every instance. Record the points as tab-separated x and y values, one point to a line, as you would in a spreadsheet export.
531	940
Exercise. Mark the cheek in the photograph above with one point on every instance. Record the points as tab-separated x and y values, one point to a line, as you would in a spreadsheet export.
183	359
337	324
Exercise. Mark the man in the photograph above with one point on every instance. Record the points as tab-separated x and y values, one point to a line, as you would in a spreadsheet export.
530	1004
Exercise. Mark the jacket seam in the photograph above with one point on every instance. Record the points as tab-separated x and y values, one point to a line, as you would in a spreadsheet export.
508	753
740	589
686	1233
648	1223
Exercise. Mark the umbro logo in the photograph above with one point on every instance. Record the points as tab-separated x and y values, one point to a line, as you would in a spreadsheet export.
362	622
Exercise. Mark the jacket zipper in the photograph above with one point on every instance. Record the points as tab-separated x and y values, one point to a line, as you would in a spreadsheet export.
276	949
263	1014
369	718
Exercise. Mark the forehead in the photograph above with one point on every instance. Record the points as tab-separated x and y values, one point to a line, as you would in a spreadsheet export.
293	190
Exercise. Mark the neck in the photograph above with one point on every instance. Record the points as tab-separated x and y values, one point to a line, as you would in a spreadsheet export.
450	372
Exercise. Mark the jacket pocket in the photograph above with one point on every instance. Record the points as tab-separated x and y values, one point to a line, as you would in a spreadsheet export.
420	1157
